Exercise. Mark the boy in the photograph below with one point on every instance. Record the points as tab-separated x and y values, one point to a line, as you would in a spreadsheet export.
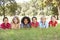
53	21
34	22
43	23
5	24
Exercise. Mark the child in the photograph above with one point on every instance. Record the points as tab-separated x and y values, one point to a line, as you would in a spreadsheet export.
34	22
43	23
5	24
25	22
53	22
15	23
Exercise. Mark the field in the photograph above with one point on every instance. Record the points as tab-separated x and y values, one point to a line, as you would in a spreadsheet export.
31	34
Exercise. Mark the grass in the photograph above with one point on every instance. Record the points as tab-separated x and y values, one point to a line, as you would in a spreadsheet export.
31	34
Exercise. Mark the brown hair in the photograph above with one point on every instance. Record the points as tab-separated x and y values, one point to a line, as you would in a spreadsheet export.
53	16
16	18
5	18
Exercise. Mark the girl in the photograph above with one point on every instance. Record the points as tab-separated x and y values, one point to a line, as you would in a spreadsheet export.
5	24
34	22
25	22
15	23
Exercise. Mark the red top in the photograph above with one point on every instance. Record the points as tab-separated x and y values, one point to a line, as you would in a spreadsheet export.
6	26
34	24
53	23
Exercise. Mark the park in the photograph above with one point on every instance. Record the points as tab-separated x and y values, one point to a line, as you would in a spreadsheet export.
30	8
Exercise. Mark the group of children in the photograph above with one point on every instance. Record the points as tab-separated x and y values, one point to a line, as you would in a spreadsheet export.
26	23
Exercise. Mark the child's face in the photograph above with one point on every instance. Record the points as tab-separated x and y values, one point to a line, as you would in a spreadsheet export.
5	21
34	20
15	20
25	21
53	19
43	19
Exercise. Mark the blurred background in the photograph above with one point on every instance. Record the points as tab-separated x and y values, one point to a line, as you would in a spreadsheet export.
38	8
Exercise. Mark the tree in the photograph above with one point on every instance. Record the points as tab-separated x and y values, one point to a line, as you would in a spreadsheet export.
55	4
55	11
12	7
4	4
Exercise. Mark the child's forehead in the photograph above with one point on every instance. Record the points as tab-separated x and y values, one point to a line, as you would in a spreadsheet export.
5	19
53	17
43	17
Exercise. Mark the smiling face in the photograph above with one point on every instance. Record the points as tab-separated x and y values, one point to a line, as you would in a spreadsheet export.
53	19
34	20
43	19
15	21
5	21
25	21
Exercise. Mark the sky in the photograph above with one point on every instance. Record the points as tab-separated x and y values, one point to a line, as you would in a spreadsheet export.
22	1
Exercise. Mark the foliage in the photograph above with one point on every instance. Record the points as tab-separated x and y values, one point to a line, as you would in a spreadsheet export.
8	6
12	7
31	8
55	11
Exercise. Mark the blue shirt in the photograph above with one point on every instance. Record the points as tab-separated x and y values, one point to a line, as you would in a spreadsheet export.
25	26
43	25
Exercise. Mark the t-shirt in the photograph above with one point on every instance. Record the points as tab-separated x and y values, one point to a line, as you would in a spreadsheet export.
6	26
24	25
53	24
34	24
45	25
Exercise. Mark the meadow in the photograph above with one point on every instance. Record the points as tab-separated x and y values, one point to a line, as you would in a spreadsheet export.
52	33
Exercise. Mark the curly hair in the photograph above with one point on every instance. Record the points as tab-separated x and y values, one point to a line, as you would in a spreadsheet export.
22	21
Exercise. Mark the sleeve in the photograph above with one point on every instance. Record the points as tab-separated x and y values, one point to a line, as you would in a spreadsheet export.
21	25
40	25
1	26
31	24
9	26
56	23
37	24
47	24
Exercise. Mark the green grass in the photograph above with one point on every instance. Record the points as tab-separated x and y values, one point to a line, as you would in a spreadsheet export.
31	34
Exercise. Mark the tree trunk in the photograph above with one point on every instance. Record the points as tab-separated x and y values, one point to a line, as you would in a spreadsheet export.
58	11
3	8
4	12
57	17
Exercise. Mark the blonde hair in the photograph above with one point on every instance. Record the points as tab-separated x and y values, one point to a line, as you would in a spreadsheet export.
14	19
43	17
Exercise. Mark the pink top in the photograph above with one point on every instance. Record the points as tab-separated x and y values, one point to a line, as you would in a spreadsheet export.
34	24
6	26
